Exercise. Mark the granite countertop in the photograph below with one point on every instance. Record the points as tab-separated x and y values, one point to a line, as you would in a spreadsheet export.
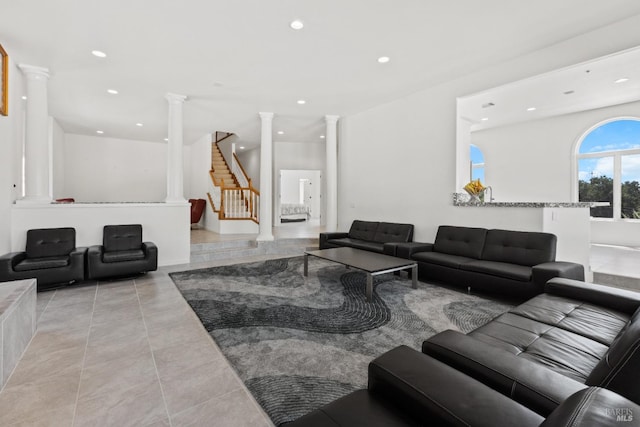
461	199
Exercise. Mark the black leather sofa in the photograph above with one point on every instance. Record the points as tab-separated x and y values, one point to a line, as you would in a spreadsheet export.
511	263
380	237
568	357
122	253
51	257
407	388
574	335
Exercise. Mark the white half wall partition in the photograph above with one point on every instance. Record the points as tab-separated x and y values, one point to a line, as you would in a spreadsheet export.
167	225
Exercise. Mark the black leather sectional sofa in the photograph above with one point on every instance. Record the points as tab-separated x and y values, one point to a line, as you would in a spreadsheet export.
380	237
568	357
505	262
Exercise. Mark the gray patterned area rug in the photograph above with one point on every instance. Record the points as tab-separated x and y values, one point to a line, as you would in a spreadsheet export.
300	342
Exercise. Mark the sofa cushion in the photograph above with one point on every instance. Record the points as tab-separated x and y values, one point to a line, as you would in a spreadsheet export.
50	242
29	264
120	256
462	241
358	244
519	247
122	237
446	260
500	269
391	232
363	230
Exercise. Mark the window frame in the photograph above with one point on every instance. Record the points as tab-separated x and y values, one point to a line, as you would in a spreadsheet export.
617	168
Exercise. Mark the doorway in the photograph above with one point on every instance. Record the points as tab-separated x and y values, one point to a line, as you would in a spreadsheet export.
300	198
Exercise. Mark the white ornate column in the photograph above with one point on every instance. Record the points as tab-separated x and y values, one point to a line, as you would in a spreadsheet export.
175	173
36	143
331	141
266	178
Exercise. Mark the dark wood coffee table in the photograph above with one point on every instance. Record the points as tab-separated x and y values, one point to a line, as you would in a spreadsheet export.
371	263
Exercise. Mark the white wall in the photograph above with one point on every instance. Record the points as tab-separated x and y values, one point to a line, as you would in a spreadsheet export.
250	160
197	173
531	161
11	137
167	225
397	160
103	169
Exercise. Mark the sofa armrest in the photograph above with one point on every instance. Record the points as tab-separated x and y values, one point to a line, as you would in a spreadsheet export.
548	270
526	382
438	394
8	261
406	249
593	407
606	296
151	250
331	235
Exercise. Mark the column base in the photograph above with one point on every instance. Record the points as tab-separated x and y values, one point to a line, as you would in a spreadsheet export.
175	201
265	238
34	200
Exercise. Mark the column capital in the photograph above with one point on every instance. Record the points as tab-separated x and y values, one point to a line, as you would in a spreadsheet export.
266	115
34	71
331	118
175	97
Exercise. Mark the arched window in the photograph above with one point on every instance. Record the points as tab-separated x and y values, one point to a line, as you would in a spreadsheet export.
477	164
608	160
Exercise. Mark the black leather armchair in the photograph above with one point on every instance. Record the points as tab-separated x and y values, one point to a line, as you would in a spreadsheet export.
51	257
122	253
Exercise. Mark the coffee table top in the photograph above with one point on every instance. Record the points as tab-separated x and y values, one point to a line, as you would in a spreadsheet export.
370	262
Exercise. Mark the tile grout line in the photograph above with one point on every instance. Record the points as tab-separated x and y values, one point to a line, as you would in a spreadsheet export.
84	356
153	356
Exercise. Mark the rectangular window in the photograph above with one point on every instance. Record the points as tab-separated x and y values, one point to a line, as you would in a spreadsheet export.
596	184
630	181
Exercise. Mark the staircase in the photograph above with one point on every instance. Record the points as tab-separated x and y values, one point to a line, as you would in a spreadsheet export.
231	194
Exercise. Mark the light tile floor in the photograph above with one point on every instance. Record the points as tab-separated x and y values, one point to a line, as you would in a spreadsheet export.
125	353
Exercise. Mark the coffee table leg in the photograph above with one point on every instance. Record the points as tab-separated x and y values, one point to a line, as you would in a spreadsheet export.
369	290
306	265
414	276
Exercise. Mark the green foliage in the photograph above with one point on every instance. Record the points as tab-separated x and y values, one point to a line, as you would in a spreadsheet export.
600	189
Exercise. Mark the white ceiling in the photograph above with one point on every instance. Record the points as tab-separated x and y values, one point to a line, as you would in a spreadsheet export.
587	86
236	58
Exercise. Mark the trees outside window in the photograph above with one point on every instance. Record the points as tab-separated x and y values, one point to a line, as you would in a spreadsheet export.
477	164
609	169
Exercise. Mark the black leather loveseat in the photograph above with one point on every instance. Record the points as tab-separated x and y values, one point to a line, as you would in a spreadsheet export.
516	263
568	357
381	237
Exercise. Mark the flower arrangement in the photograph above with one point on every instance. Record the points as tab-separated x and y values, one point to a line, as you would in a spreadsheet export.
475	189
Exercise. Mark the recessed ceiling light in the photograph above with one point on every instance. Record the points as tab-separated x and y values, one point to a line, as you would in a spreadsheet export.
484	119
622	80
531	109
24	97
384	59
280	132
166	139
99	53
301	101
100	132
112	91
297	24
139	124
321	136
242	147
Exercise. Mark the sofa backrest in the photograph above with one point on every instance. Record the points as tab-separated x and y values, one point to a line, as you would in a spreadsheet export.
122	237
388	232
519	247
363	230
461	241
619	369
50	242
